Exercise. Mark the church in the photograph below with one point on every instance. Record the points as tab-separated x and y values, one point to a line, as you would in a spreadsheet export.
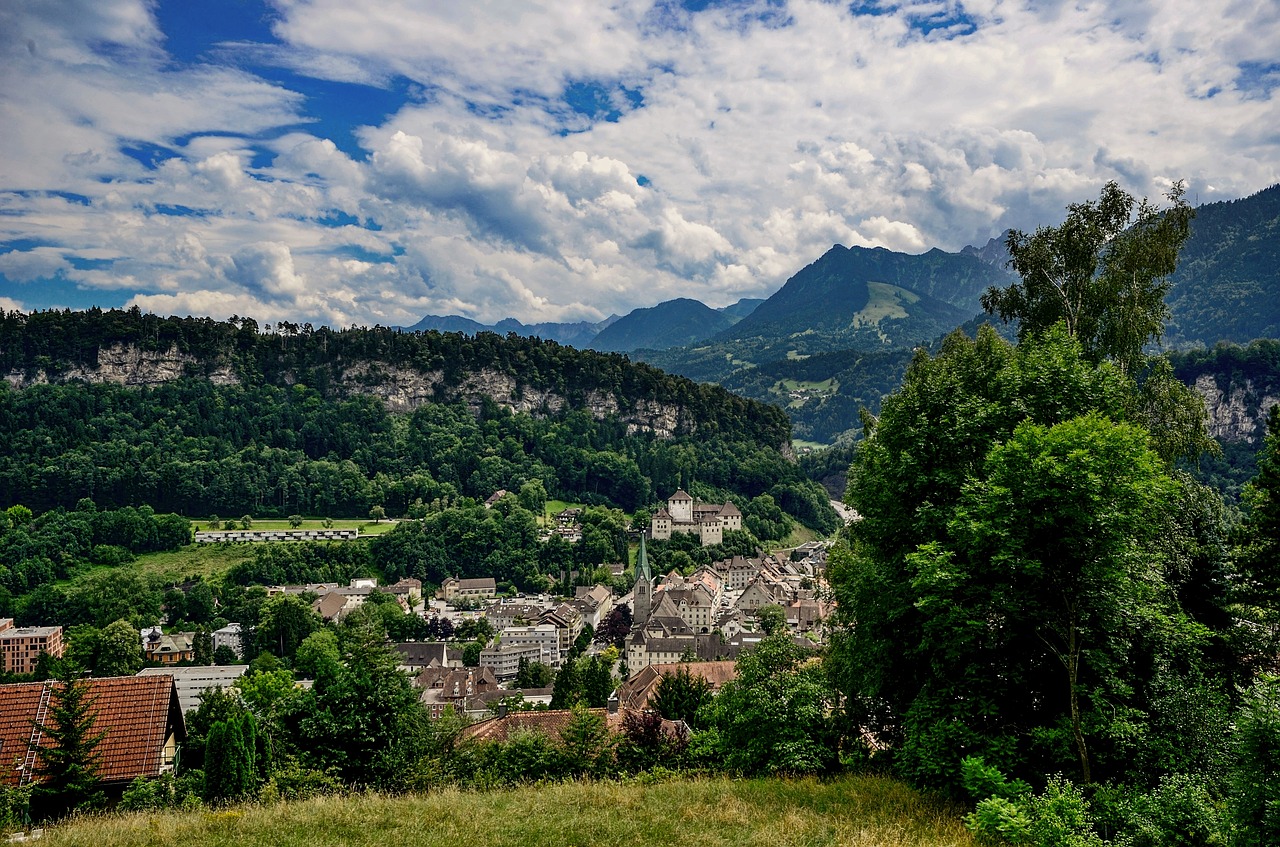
705	520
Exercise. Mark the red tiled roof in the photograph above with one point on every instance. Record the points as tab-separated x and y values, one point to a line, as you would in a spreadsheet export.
137	712
549	723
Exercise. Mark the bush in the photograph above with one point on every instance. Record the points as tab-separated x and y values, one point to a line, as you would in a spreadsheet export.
1180	812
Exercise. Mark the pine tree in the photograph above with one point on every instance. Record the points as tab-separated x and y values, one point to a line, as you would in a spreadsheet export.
66	760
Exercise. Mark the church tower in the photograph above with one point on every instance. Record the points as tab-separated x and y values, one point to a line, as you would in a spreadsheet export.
642	597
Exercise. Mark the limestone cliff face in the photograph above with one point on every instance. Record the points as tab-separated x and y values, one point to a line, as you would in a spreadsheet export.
401	389
126	364
1238	411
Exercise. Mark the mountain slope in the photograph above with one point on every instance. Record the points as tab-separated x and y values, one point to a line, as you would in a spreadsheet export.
859	297
1227	286
670	324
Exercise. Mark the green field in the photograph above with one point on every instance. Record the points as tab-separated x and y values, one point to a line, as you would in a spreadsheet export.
712	812
366	527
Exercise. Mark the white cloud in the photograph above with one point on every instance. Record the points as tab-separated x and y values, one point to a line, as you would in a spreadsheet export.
741	142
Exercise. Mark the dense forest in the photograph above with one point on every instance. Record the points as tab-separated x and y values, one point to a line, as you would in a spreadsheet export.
49	343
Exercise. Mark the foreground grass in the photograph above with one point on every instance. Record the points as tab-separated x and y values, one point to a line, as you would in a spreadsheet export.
718	812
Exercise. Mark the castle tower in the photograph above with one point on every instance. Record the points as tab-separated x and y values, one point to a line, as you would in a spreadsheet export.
680	506
642	598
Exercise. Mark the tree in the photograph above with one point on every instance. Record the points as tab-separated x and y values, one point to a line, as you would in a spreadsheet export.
202	647
224	655
773	717
246	522
1255	796
587	742
286	620
772	619
615	627
1256	589
230	772
533	497
1102	272
295	521
66	756
680	695
378	513
1052	553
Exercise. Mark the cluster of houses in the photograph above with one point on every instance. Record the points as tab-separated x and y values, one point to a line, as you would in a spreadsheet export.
700	622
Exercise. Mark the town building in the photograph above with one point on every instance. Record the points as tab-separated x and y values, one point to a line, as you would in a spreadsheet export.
707	521
139	716
22	646
483	588
230	637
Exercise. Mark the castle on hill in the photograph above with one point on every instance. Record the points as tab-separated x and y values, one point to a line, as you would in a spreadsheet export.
705	520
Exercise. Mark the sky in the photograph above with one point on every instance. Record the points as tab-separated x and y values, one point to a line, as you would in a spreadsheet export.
347	163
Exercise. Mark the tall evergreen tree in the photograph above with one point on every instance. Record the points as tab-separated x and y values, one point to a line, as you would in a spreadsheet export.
66	757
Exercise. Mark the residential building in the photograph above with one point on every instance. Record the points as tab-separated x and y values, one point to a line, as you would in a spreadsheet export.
140	718
230	637
504	659
167	649
444	687
193	681
416	655
641	686
22	646
593	603
483	588
546	637
568	623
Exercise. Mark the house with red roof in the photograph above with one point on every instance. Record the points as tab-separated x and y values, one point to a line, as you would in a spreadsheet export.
140	715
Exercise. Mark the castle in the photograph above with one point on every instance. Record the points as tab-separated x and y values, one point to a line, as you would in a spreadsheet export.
705	520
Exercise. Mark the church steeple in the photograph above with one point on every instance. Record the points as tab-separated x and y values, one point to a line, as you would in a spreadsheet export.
642	596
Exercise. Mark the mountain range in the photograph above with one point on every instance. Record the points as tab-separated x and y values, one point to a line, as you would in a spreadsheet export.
837	335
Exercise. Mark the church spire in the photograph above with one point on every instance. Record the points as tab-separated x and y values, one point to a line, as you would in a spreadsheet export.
642	596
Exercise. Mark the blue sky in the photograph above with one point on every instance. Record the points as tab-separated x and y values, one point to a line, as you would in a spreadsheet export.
348	163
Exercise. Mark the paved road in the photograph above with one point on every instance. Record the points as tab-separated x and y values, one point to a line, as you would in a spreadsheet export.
846	514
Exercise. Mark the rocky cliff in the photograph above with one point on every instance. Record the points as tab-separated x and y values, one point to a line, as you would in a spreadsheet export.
1237	408
401	389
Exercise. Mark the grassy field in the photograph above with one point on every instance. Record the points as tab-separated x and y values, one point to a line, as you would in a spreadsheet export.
209	561
366	527
715	812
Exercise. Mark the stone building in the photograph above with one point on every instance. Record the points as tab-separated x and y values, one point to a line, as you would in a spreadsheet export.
706	520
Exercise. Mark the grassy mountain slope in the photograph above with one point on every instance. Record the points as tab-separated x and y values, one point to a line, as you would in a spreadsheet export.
671	324
849	811
855	297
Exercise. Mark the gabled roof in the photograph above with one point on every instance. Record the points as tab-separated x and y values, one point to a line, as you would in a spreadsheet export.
730	509
681	495
138	714
423	653
330	605
551	724
643	684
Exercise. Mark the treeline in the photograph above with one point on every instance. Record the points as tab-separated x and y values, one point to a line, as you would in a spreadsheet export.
53	341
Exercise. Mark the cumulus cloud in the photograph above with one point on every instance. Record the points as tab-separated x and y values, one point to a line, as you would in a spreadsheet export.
566	160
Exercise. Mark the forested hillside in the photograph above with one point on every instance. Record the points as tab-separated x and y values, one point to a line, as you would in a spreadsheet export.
289	431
